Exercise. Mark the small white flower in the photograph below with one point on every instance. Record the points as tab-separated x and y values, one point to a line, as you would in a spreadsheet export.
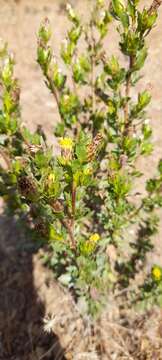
147	121
102	15
49	323
68	7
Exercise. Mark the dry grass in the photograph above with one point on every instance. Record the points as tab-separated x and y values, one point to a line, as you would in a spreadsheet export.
120	333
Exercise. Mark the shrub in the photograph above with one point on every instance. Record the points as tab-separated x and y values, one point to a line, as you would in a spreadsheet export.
80	202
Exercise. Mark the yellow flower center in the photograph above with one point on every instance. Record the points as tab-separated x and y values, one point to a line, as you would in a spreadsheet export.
66	143
51	177
94	237
156	273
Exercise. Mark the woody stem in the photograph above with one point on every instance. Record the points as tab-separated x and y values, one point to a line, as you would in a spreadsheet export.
67	226
73	200
68	223
127	92
73	194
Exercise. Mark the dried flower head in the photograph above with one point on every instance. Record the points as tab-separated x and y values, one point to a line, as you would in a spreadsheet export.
94	147
26	186
154	6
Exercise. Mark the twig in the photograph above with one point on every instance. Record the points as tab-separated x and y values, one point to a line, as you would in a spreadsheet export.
31	342
70	225
54	92
93	86
127	93
73	193
93	72
121	345
48	352
75	90
135	212
67	226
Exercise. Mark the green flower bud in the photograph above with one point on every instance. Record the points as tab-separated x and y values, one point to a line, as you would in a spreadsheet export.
7	72
100	3
57	76
43	55
74	34
67	51
118	7
45	31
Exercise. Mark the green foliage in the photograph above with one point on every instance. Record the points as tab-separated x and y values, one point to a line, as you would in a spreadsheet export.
80	202
151	291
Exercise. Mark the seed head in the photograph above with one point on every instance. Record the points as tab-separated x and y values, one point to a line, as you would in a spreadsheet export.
154	6
26	186
94	147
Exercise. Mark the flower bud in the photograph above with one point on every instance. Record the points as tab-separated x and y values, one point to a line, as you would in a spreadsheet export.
100	3
7	72
44	55
45	31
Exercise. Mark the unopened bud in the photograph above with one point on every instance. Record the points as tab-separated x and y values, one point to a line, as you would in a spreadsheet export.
100	3
45	31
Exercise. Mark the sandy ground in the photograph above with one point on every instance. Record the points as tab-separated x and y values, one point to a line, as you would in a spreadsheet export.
19	22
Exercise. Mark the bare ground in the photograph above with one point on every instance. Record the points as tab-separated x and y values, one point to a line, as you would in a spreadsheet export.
28	292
